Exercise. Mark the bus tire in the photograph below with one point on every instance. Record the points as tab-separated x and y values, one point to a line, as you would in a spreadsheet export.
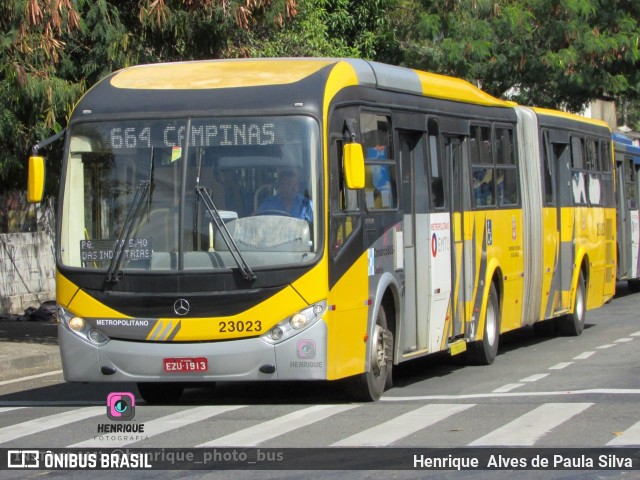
573	323
369	386
633	285
483	352
160	393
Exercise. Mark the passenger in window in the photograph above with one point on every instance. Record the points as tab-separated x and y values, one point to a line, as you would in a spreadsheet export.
382	183
500	189
288	201
482	186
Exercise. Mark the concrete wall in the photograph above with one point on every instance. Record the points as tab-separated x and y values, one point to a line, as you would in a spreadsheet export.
602	110
28	271
27	258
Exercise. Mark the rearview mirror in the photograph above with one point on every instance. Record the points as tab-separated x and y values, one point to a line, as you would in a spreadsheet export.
35	183
353	164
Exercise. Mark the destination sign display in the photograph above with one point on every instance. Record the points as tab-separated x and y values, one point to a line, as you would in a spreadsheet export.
202	134
98	251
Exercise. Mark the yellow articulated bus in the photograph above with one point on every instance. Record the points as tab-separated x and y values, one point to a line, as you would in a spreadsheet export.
317	219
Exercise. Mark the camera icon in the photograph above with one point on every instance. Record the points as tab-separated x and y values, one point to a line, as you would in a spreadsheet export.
121	406
306	349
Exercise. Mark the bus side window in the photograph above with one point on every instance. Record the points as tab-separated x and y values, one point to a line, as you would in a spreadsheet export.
380	169
344	205
548	171
437	182
579	185
483	168
630	181
507	178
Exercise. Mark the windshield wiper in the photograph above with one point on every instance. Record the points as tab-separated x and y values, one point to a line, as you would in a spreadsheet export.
244	267
133	216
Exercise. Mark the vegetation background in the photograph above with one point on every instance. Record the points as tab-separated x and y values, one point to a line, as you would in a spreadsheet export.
551	53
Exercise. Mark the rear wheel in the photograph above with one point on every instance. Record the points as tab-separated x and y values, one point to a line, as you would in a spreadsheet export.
483	352
634	285
369	386
573	323
160	393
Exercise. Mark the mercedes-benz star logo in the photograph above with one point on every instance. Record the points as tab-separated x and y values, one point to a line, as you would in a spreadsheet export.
181	307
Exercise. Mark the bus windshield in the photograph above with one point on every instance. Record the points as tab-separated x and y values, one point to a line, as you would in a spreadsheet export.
192	194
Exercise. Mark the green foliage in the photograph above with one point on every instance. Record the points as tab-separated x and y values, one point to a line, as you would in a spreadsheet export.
540	52
36	100
331	28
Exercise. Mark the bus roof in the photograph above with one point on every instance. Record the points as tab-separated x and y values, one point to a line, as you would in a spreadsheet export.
625	144
570	116
238	73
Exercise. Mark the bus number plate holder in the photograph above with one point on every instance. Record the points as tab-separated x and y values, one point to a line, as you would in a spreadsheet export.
185	364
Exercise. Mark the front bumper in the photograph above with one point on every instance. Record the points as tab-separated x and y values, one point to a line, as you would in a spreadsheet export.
301	357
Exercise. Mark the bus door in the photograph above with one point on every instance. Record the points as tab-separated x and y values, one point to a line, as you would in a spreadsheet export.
462	286
628	219
427	243
415	226
569	189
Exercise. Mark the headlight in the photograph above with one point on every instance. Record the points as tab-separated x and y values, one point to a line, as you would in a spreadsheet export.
298	321
295	324
81	328
77	324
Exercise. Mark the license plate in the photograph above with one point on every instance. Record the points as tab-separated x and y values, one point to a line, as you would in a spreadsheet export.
181	365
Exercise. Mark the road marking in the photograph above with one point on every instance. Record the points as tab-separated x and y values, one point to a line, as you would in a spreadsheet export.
560	366
608	345
30	377
472	396
158	426
508	387
535	378
402	426
8	409
584	356
252	436
530	427
629	437
624	340
47	423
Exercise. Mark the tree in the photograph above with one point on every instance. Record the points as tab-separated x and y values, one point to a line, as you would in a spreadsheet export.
330	28
35	99
540	52
53	50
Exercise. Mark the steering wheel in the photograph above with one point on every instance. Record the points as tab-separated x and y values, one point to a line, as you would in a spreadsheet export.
274	212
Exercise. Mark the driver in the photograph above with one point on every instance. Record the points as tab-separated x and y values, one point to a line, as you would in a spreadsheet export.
288	200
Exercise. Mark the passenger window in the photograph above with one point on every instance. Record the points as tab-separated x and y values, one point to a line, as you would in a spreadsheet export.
483	168
380	168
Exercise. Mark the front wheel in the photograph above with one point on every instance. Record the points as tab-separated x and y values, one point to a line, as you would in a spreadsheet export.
483	352
573	323
369	386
